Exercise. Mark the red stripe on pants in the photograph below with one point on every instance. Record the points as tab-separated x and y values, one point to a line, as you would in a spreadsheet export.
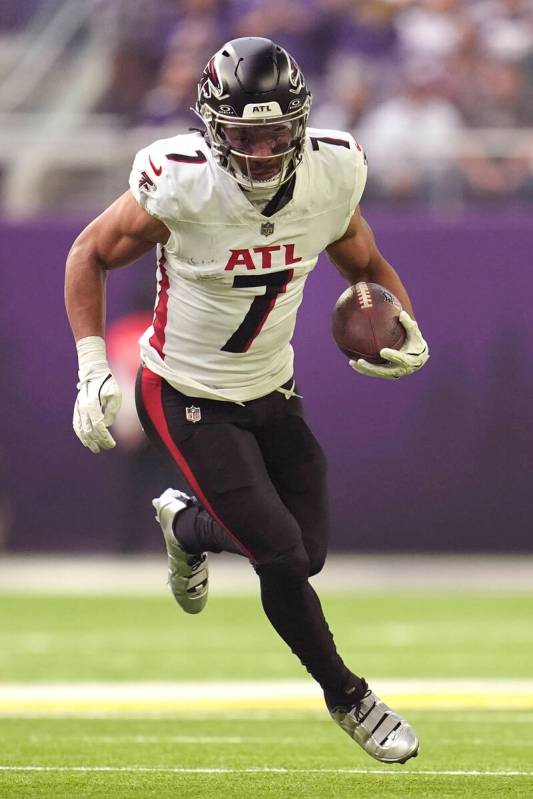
151	394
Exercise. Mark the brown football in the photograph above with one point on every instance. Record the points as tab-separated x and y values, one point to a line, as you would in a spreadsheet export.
365	320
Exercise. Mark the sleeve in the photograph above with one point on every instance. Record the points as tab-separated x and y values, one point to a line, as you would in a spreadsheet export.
352	172
151	183
358	173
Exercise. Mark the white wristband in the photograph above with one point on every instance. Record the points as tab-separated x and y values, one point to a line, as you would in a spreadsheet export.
92	358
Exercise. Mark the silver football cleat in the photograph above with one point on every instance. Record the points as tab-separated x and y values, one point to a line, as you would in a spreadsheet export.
187	574
381	732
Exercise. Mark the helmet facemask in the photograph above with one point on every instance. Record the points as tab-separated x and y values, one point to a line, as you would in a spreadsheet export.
281	140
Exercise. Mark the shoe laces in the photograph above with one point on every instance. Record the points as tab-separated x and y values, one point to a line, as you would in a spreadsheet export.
357	711
196	561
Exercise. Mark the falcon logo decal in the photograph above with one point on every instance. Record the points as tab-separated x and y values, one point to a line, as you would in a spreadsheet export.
146	182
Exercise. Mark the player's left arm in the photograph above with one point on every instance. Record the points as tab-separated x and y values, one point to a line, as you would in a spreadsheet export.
357	257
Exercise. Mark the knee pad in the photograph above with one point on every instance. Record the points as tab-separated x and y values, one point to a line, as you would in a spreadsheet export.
291	564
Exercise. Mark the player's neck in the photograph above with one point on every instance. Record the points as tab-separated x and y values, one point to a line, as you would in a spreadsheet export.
269	201
259	198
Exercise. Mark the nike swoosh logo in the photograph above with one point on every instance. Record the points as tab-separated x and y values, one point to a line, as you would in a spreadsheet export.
157	171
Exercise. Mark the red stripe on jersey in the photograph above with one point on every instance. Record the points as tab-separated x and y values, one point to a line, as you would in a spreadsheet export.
157	340
151	385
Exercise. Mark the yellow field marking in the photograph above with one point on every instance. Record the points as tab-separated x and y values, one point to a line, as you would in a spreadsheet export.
300	695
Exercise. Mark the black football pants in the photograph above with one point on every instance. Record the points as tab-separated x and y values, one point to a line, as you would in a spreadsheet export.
260	474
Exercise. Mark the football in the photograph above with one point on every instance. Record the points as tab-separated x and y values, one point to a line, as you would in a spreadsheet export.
365	320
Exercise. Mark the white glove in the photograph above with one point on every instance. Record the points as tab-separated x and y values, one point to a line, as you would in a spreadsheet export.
412	356
99	397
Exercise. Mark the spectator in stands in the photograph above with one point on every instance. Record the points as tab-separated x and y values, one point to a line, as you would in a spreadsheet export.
307	31
341	103
174	92
432	30
198	26
503	96
494	179
366	29
505	27
411	140
482	51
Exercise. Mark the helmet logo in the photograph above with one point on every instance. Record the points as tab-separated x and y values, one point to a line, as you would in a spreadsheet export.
294	104
258	108
211	85
210	90
227	110
296	77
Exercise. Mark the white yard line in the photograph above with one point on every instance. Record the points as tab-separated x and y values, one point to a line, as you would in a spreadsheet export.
205	696
170	739
146	574
391	772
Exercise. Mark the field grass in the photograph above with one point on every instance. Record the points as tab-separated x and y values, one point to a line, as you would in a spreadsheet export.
381	635
259	752
304	744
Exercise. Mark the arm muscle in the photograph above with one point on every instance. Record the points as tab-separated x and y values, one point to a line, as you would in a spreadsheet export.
357	257
120	235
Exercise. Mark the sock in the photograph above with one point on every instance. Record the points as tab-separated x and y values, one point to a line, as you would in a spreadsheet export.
198	532
295	612
352	693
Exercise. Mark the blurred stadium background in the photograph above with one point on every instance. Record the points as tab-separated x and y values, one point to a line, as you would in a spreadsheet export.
440	94
430	480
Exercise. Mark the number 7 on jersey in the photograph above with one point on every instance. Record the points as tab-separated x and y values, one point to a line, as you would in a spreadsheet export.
257	314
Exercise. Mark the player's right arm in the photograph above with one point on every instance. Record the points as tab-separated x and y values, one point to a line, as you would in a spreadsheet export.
120	235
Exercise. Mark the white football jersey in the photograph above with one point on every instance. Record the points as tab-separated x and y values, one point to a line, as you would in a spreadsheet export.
230	280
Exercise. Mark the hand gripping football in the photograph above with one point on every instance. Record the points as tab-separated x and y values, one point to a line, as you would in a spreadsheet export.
365	320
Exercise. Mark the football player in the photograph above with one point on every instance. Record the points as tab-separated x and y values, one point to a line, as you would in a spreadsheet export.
239	213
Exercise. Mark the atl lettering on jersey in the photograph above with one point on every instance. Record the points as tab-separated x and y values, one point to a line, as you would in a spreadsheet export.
248	258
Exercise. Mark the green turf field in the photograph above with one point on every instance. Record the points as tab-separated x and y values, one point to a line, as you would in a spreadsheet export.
401	635
252	751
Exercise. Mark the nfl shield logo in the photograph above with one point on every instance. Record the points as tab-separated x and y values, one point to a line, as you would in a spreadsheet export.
267	228
193	414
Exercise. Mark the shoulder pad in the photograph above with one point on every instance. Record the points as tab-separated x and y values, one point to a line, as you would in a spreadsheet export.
155	180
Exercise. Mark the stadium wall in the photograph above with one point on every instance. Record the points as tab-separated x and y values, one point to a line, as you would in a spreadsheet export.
436	462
